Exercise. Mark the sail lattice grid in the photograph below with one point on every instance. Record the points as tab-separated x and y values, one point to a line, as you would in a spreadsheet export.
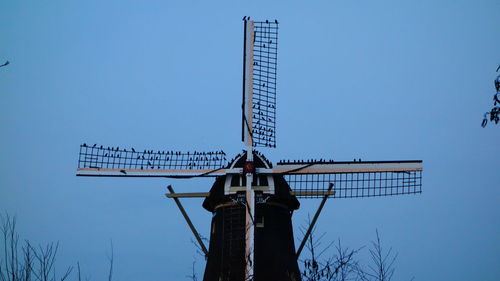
115	158
354	185
264	83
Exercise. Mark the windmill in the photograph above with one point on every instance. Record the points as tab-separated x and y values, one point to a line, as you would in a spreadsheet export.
251	236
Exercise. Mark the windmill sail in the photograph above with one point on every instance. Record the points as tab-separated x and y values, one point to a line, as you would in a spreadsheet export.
259	83
109	161
353	179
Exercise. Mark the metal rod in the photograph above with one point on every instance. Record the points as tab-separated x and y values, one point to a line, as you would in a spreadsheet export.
243	121
186	217
311	226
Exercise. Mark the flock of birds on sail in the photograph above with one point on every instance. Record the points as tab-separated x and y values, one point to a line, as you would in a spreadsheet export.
267	21
264	77
310	161
111	157
263	133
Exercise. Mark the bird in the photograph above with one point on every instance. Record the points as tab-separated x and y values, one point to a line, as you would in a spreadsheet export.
276	21
84	145
267	21
244	18
123	172
5	64
133	150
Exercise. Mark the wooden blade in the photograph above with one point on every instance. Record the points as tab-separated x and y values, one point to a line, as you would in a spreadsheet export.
104	172
109	161
347	167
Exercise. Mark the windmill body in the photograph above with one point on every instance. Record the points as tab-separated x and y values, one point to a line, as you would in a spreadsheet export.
252	201
274	240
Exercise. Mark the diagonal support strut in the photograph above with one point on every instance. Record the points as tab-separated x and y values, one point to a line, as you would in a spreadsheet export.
311	226
186	217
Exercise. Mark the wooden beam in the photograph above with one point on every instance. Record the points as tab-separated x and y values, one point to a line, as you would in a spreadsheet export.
167	173
311	226
313	193
188	220
205	194
187	195
344	167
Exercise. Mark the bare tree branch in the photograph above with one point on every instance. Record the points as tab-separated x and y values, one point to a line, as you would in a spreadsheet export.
111	259
26	263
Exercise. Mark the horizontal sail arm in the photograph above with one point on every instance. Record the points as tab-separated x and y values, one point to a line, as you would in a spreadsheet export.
352	179
110	161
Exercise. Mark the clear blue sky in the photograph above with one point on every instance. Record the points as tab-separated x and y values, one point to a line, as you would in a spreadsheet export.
377	80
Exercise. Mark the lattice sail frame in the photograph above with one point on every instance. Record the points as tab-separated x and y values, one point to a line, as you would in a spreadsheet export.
110	161
353	179
259	83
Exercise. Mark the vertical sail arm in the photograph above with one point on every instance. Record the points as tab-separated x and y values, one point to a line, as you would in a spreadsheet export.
259	83
265	53
247	115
